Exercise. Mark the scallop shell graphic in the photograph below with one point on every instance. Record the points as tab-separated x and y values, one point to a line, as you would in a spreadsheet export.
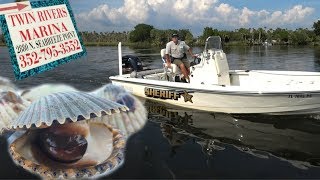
60	140
44	90
11	105
130	122
109	91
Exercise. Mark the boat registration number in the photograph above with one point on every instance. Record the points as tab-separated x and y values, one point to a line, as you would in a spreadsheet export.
299	96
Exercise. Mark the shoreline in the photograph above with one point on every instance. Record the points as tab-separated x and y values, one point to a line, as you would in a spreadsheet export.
149	45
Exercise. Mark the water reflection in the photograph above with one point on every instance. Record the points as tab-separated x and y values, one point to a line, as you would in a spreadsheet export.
292	139
317	54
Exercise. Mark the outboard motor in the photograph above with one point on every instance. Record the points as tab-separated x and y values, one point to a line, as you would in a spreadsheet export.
131	63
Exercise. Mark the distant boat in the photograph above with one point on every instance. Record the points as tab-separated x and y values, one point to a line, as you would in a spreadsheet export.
214	87
266	43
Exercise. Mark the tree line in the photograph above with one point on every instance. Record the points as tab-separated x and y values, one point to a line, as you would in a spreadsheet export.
241	36
147	35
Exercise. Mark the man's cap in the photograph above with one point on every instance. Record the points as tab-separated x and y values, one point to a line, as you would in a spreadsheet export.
175	35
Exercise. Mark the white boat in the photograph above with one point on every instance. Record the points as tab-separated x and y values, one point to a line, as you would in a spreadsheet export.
214	87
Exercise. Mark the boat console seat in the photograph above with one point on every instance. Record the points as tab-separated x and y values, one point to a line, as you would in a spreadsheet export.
172	71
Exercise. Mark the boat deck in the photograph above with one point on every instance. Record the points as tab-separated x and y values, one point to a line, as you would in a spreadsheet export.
254	80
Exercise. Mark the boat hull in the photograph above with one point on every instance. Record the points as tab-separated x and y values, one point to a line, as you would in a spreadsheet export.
227	102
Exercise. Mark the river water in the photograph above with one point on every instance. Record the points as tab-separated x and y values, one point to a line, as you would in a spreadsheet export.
181	143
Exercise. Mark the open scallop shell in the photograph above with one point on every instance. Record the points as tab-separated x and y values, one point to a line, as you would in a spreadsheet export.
44	90
63	108
11	105
63	113
25	159
128	122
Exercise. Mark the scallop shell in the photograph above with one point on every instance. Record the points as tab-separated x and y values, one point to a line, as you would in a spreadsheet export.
114	161
63	108
109	91
11	105
44	90
128	122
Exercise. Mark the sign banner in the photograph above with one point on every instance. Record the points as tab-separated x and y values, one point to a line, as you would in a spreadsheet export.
41	38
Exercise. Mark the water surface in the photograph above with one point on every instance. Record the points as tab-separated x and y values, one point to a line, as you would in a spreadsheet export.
182	143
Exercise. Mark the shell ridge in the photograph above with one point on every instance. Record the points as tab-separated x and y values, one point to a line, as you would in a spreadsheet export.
130	126
45	112
106	105
134	122
52	110
140	112
120	124
73	113
38	121
28	118
60	110
91	105
81	110
141	117
67	111
126	121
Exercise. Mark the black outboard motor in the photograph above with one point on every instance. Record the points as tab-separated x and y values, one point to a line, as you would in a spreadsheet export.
131	63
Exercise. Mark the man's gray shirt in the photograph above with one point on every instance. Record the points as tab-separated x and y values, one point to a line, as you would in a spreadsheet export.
177	50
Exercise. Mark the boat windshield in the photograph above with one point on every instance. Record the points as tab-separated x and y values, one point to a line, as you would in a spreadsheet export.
213	42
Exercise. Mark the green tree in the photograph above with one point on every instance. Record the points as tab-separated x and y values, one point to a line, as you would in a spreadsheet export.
208	31
281	35
141	33
158	37
245	34
300	37
316	27
186	35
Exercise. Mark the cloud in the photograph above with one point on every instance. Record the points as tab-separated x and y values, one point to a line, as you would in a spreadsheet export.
297	14
225	9
246	14
135	11
191	14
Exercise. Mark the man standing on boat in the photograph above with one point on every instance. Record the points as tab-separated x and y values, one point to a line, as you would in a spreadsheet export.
176	54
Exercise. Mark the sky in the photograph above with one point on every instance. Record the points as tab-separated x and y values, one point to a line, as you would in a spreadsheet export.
123	15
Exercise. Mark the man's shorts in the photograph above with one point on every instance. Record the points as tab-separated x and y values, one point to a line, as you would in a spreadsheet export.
178	62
